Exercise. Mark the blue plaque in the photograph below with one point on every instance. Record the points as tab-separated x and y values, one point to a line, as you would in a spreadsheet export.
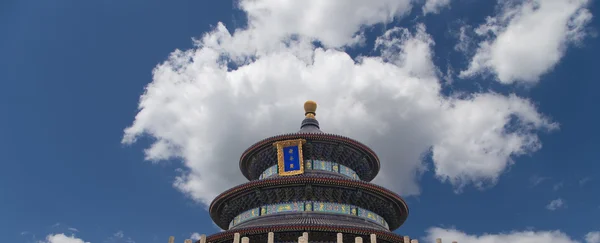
289	157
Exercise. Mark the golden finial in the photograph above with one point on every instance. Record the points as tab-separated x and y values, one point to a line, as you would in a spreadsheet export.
309	109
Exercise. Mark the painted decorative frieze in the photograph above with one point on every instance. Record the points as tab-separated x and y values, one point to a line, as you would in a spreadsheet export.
315	165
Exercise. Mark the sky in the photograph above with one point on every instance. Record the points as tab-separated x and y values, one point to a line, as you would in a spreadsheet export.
122	120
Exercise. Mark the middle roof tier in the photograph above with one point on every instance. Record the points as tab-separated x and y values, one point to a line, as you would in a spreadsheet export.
309	187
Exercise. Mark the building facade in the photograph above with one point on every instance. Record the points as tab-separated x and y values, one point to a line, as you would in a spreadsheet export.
308	186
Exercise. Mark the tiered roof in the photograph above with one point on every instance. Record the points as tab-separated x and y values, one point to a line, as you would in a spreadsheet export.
286	203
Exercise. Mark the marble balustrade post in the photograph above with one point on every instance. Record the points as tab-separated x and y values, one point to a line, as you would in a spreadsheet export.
271	237
301	239
358	240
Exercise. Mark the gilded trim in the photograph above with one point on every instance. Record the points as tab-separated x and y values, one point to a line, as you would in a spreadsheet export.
280	161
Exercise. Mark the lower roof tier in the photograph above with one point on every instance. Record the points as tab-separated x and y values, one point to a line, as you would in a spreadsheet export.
317	232
309	187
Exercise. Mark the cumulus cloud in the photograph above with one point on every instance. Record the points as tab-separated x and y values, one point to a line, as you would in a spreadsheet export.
592	237
208	104
119	237
195	236
512	237
62	238
558	186
434	6
556	204
338	21
482	134
119	234
526	40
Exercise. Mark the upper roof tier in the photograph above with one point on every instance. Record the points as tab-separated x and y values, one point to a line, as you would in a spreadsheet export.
319	146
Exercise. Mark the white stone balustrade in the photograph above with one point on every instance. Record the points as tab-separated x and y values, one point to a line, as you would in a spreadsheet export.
302	239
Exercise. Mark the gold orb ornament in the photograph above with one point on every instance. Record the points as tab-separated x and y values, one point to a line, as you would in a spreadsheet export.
310	107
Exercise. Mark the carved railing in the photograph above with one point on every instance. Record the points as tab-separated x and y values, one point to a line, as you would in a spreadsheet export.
301	239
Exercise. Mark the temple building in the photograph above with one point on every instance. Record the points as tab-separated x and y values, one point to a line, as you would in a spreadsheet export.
308	186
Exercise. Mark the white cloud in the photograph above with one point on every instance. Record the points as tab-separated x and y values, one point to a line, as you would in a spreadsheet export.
335	23
558	186
584	181
195	236
118	237
512	237
73	229
556	204
273	25
526	40
62	238
119	234
434	6
536	180
206	114
479	141
465	40
592	237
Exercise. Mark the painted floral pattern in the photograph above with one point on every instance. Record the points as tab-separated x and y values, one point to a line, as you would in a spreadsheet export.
315	165
325	207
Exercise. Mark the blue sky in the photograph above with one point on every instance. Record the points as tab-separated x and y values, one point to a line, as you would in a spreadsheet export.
479	141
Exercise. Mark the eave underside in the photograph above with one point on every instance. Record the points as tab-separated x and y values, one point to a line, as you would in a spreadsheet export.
310	218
